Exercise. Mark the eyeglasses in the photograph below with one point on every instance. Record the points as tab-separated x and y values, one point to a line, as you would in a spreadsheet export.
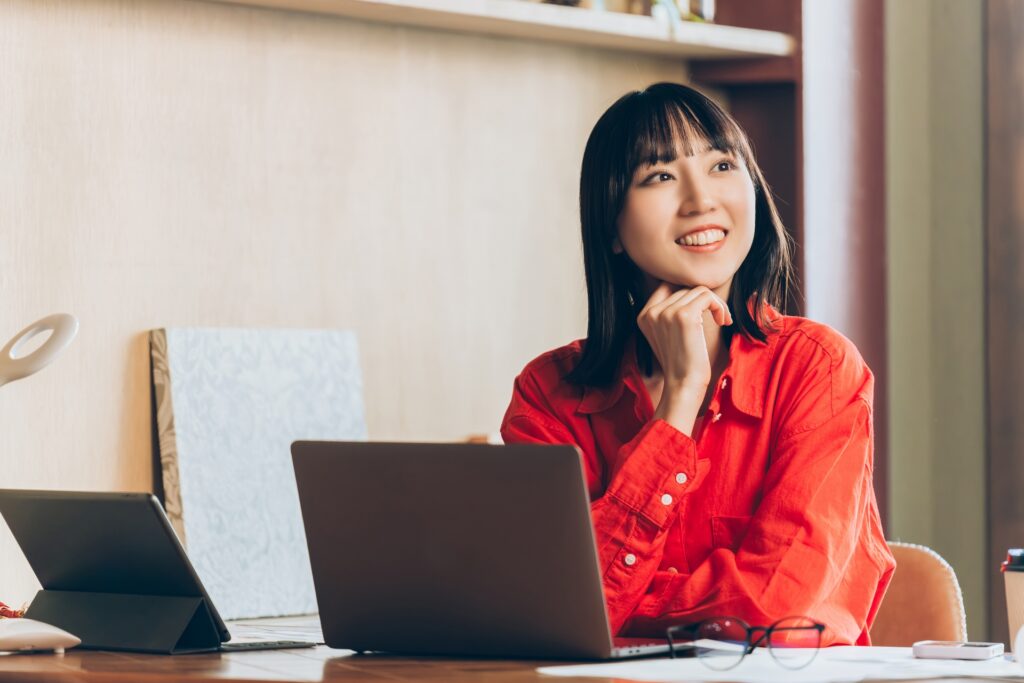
722	642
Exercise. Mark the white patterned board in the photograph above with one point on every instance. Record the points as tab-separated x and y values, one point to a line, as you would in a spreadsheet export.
229	403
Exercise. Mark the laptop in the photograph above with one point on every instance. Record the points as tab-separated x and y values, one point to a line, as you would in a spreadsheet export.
455	549
114	543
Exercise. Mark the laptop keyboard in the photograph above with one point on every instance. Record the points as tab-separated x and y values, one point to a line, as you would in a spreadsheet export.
242	646
274	633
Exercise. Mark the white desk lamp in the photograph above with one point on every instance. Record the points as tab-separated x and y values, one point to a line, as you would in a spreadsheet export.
13	366
28	634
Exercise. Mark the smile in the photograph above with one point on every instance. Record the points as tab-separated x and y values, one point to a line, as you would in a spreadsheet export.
697	239
705	240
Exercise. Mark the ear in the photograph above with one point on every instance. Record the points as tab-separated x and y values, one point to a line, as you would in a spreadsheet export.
617	246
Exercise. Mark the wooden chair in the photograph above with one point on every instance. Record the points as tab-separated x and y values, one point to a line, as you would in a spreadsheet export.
923	602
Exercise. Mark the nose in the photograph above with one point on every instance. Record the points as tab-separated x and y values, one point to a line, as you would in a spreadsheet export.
695	197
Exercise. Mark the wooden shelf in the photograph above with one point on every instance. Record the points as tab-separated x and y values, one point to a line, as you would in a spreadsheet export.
569	25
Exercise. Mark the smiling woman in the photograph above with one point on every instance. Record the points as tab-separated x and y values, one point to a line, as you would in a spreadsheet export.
728	447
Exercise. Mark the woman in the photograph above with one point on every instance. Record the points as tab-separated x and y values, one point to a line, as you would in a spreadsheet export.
727	447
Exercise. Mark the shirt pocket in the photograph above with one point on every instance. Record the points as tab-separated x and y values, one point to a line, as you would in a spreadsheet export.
727	531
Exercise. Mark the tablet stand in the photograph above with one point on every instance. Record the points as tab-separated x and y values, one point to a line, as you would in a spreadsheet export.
161	624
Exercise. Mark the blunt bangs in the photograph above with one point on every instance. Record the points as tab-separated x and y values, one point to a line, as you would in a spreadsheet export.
665	123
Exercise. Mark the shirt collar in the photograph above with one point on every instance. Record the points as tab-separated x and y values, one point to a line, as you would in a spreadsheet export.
748	372
749	361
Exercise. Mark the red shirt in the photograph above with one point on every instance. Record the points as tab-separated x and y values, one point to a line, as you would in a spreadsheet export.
770	512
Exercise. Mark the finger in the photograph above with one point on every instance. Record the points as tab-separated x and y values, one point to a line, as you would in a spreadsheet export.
678	293
659	295
654	309
720	310
692	307
692	294
688	309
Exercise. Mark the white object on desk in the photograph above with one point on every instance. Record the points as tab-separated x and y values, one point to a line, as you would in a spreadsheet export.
13	366
832	665
27	635
953	649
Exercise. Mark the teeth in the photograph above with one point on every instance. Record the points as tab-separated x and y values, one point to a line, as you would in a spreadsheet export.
701	238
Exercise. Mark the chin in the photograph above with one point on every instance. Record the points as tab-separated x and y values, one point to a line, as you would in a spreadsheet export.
691	282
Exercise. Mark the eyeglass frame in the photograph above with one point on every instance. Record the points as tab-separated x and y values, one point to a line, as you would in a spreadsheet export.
751	643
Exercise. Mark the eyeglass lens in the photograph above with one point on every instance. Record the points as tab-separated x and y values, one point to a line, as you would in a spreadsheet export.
721	642
794	641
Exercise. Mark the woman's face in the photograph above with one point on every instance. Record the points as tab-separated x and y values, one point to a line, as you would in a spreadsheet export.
690	221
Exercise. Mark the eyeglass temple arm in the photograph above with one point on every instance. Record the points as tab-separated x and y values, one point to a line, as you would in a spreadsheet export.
681	629
754	642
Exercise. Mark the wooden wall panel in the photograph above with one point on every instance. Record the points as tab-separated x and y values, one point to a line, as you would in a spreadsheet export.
936	265
172	163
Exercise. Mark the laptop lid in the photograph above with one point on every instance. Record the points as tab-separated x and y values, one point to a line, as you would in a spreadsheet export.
102	543
461	549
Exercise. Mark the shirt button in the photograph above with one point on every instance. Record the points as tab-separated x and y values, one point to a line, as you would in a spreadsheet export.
629	559
681	478
666	499
716	417
673	570
725	382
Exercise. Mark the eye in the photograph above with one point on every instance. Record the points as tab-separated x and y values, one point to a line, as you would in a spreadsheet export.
657	177
725	165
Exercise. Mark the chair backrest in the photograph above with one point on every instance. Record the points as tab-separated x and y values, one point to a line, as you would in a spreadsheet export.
923	602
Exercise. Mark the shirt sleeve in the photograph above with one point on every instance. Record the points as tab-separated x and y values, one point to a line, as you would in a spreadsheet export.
632	517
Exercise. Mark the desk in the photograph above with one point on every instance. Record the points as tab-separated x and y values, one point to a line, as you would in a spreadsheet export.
316	664
312	664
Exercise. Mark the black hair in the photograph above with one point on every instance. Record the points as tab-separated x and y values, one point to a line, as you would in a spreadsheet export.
648	127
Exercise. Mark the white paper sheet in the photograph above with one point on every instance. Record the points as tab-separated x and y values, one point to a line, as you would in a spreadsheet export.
835	665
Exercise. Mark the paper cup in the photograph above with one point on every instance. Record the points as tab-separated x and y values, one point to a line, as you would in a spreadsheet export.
1013	574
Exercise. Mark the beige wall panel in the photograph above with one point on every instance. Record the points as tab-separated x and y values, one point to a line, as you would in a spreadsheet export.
909	217
936	288
169	163
958	290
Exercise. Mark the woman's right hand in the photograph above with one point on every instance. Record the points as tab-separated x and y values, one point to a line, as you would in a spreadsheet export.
673	323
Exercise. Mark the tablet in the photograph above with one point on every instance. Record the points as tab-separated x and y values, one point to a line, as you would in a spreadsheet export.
119	543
